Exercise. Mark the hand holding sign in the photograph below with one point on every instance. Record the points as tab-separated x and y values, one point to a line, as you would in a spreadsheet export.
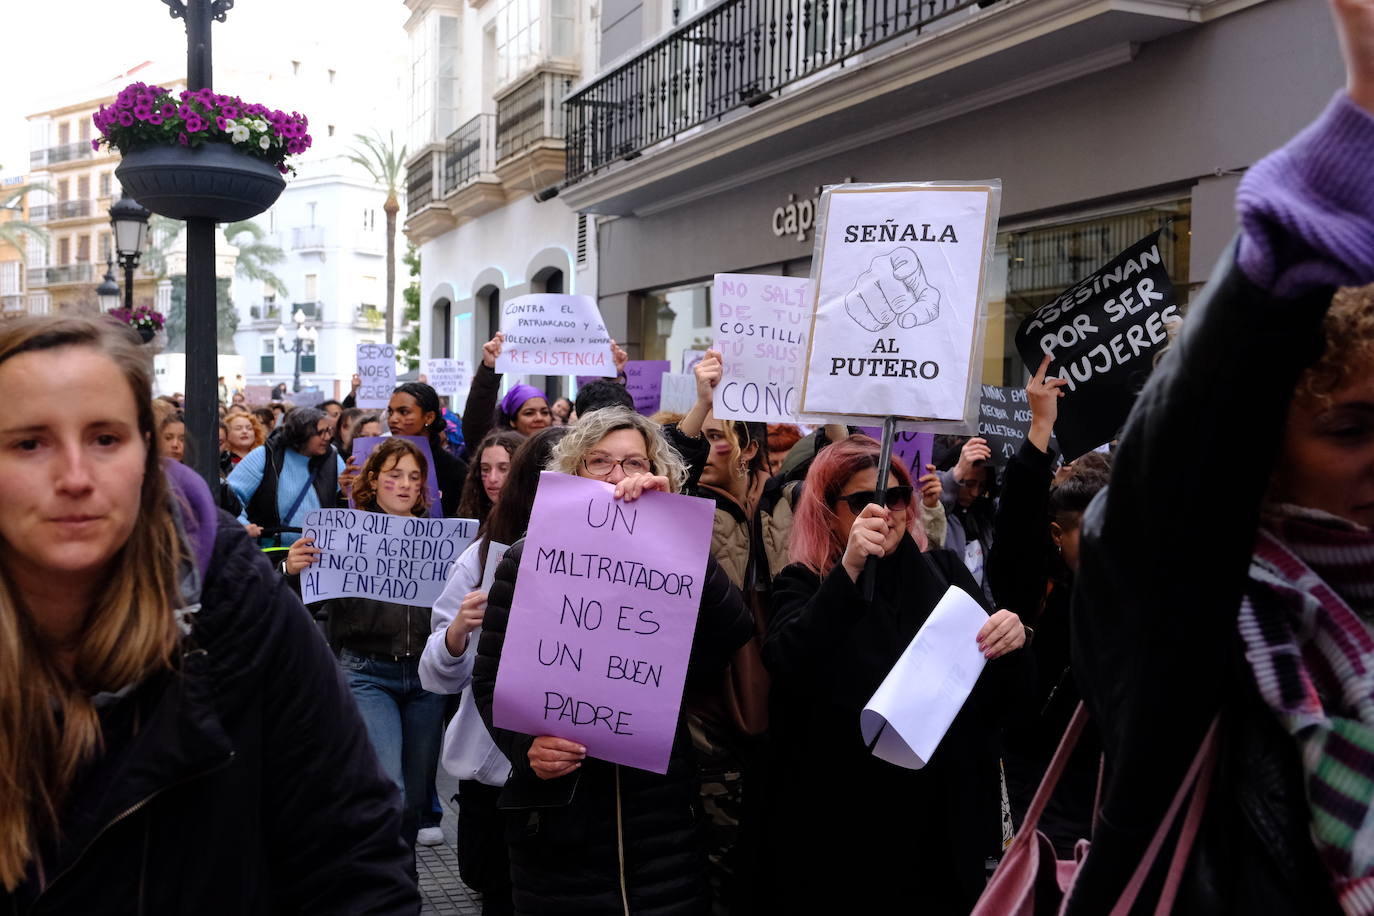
303	553
894	288
867	538
552	757
708	373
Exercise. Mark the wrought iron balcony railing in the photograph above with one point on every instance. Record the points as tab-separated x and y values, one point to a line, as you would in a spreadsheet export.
531	112
67	152
469	151
63	209
420	183
736	55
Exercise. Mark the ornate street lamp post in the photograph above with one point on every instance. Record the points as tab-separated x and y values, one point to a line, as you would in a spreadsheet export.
130	223
107	293
305	336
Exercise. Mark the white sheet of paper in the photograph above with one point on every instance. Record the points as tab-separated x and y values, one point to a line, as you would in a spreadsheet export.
377	367
761	327
446	376
679	392
898	282
925	690
495	552
554	334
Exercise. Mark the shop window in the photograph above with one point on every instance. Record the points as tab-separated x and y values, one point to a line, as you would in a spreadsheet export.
1034	265
676	319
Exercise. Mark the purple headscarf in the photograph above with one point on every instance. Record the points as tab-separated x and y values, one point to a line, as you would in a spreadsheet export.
517	396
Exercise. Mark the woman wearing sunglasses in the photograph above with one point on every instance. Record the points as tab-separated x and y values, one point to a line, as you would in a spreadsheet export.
587	836
828	650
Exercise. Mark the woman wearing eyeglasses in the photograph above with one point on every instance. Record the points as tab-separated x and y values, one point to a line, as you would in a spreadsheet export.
296	471
587	836
900	838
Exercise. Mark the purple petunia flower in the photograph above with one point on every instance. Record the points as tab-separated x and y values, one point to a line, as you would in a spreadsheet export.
185	112
230	111
155	119
125	118
169	109
219	122
95	144
194	124
306	141
185	94
183	139
142	112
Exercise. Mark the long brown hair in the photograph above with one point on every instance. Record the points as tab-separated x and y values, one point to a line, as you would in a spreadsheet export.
388	452
48	722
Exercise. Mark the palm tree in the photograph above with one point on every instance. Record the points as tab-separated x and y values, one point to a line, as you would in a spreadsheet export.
15	231
256	257
387	167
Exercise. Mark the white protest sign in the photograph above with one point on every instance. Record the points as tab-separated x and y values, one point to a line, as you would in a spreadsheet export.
377	367
897	293
447	376
761	326
918	700
495	552
679	392
690	358
555	335
396	558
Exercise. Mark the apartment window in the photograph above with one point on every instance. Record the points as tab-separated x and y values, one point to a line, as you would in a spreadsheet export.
312	283
64	251
434	75
64	188
308	356
519	40
106	180
64	133
84	131
10	274
369	219
269	293
83	187
267	361
370	291
83	249
106	247
446	78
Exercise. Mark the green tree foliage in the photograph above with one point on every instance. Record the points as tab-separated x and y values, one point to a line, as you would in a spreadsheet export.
409	346
13	230
386	164
226	316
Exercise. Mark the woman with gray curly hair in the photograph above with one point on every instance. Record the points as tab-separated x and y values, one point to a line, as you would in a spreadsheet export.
586	835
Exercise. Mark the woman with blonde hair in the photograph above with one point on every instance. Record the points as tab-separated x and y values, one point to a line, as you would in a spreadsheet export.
172	731
621	839
243	433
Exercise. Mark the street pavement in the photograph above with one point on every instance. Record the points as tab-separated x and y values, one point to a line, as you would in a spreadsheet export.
443	892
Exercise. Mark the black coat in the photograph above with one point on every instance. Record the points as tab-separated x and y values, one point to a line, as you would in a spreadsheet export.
243	782
564	854
1028	576
1155	646
852	831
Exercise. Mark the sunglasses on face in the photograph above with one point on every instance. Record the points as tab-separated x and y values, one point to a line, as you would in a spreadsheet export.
898	498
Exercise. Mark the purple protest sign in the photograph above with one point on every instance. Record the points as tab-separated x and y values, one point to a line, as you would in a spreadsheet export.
602	619
644	381
363	446
915	449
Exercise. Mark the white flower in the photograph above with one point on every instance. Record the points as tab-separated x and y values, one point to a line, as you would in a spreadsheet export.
229	125
265	142
260	125
240	134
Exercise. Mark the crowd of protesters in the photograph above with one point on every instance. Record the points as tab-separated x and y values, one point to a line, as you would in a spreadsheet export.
178	735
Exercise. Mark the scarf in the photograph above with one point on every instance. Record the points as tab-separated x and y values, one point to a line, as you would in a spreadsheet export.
510	404
1308	626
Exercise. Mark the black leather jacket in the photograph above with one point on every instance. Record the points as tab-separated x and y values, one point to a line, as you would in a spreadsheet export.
1155	647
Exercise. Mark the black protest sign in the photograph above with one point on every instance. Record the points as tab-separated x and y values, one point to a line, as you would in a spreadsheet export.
1102	336
1004	420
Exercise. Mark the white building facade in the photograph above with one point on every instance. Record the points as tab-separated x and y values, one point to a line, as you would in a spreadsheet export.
486	144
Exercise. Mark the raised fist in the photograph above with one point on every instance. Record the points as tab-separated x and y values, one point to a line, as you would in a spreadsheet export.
894	288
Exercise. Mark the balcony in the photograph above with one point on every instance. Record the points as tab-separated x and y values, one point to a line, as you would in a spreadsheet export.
312	310
369	315
470	187
58	276
265	312
530	149
56	155
12	303
63	209
426	217
757	87
309	238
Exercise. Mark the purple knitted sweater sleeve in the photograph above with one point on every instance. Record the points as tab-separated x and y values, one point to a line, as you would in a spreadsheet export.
1307	210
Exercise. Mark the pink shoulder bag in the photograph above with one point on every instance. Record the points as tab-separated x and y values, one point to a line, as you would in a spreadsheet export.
1031	880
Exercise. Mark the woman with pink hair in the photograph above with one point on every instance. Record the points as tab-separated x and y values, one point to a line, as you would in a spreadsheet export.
828	650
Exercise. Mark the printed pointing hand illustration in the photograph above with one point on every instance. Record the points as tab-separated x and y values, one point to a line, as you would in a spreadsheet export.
894	288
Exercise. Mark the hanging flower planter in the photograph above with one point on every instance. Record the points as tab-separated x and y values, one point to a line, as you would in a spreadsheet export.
209	156
147	322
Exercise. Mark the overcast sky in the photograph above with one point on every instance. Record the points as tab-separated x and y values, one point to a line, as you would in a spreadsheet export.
61	51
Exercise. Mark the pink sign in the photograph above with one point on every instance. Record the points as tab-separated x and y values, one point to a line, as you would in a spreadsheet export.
915	449
363	446
602	619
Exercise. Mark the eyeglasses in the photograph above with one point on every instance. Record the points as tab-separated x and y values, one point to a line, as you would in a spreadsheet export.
602	465
327	432
897	498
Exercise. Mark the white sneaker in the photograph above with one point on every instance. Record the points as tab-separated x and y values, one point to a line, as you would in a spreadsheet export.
430	836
